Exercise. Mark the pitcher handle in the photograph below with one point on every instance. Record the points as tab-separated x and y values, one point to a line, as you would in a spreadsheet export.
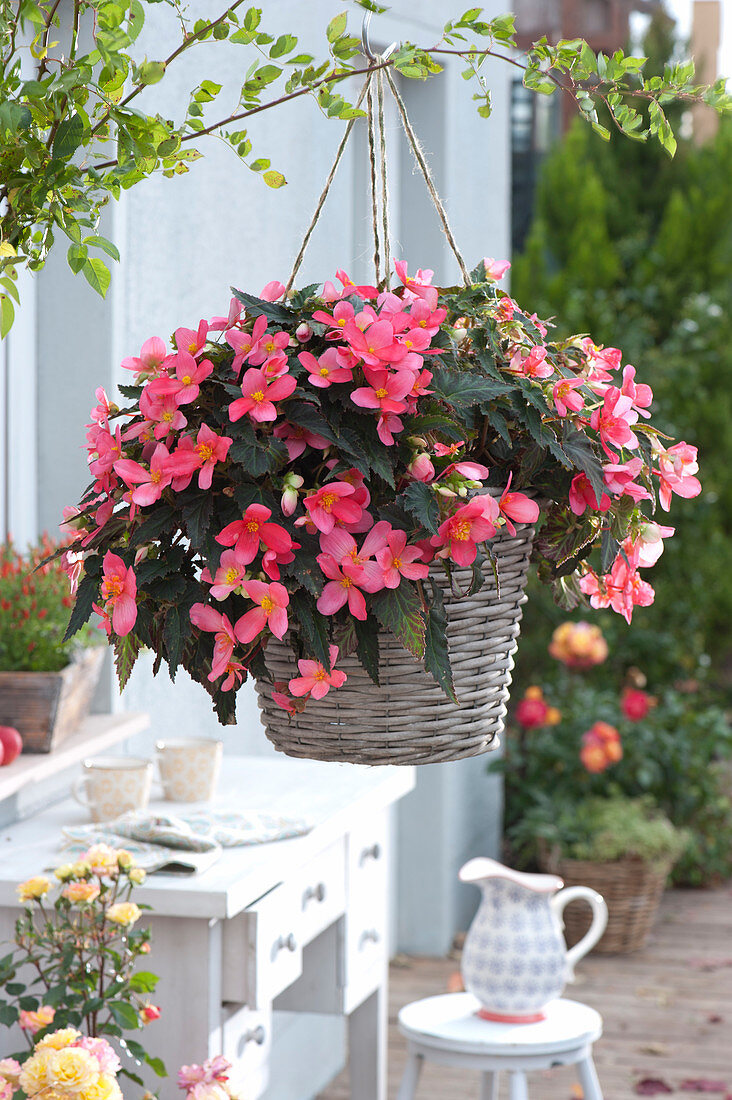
596	929
78	791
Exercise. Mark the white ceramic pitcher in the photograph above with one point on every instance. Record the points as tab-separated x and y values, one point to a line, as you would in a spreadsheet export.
515	959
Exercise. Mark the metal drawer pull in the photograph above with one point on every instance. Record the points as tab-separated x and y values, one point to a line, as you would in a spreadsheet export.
370	936
256	1035
374	852
283	942
314	893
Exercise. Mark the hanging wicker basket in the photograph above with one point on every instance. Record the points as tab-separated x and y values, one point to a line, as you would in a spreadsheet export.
408	719
632	889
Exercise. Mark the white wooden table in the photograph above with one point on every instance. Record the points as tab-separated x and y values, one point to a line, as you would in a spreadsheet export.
304	920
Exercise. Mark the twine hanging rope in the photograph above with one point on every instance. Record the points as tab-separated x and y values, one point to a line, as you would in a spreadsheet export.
377	150
420	159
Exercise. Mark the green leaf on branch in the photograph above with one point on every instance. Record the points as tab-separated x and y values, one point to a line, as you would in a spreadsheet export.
144	981
151	72
460	388
69	137
436	652
156	1065
400	611
126	650
313	625
7	315
255	307
336	27
258	456
125	1015
197	516
274	179
87	593
97	275
367	647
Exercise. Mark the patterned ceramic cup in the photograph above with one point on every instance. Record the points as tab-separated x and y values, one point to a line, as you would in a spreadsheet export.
189	769
112	785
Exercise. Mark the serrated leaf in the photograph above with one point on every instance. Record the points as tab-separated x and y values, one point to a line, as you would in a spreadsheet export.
609	551
419	500
313	625
580	453
400	611
461	388
305	415
274	312
367	647
259	456
197	516
126	650
86	594
436	652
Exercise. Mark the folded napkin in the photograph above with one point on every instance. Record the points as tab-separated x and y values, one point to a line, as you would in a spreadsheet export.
185	843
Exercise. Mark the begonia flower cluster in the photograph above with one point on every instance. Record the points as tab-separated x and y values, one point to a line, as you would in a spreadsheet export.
297	468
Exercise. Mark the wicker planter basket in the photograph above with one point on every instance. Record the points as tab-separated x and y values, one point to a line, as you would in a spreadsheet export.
632	890
408	719
45	707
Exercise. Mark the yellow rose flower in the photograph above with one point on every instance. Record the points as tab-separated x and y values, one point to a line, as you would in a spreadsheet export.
106	1088
34	1074
102	859
51	1094
81	869
79	892
57	1040
64	872
125	859
33	888
72	1069
137	875
124	912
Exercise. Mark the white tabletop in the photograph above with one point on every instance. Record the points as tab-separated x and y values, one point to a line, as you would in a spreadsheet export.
332	797
450	1022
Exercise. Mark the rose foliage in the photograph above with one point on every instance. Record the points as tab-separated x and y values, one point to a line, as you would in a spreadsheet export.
298	467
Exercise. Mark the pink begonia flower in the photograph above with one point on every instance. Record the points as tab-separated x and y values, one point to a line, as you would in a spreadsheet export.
341	545
619	478
600	361
259	395
33	1020
385	391
421	467
612	421
495	269
210	448
269	344
533	364
243	342
422	317
640	394
333	503
314	680
273	559
387	424
505	309
325	370
150	360
119	591
414	340
159	402
219	324
73	566
343	312
235	672
419	286
207	618
445	450
192	340
190	374
647	546
472	523
284	700
621	589
108	450
398	560
349	287
272	291
342	588
229	575
272	600
565	397
246	534
582	496
517	506
291	485
676	469
376	346
149	484
100	412
296	438
475	471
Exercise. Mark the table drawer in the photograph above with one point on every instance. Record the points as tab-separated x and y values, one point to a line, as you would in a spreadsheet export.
262	949
367	916
368	860
246	1043
321	892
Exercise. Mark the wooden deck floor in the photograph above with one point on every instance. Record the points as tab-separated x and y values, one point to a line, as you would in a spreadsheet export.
667	1011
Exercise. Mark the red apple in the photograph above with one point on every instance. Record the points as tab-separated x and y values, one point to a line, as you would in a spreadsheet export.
11	744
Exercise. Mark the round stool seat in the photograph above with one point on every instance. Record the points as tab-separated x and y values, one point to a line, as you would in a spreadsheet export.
450	1022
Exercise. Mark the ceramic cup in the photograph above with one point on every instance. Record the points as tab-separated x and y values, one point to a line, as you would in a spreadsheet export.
189	769
112	785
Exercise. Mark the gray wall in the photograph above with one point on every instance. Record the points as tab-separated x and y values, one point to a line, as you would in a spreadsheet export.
183	242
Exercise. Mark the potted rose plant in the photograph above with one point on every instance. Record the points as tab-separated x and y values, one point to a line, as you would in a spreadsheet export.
46	681
331	488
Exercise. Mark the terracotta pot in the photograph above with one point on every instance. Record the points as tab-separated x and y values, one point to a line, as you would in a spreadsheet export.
45	707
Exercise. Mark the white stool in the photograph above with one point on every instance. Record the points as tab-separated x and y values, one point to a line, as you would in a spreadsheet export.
446	1030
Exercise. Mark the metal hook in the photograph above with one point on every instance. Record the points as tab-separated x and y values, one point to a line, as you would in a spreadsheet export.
366	45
